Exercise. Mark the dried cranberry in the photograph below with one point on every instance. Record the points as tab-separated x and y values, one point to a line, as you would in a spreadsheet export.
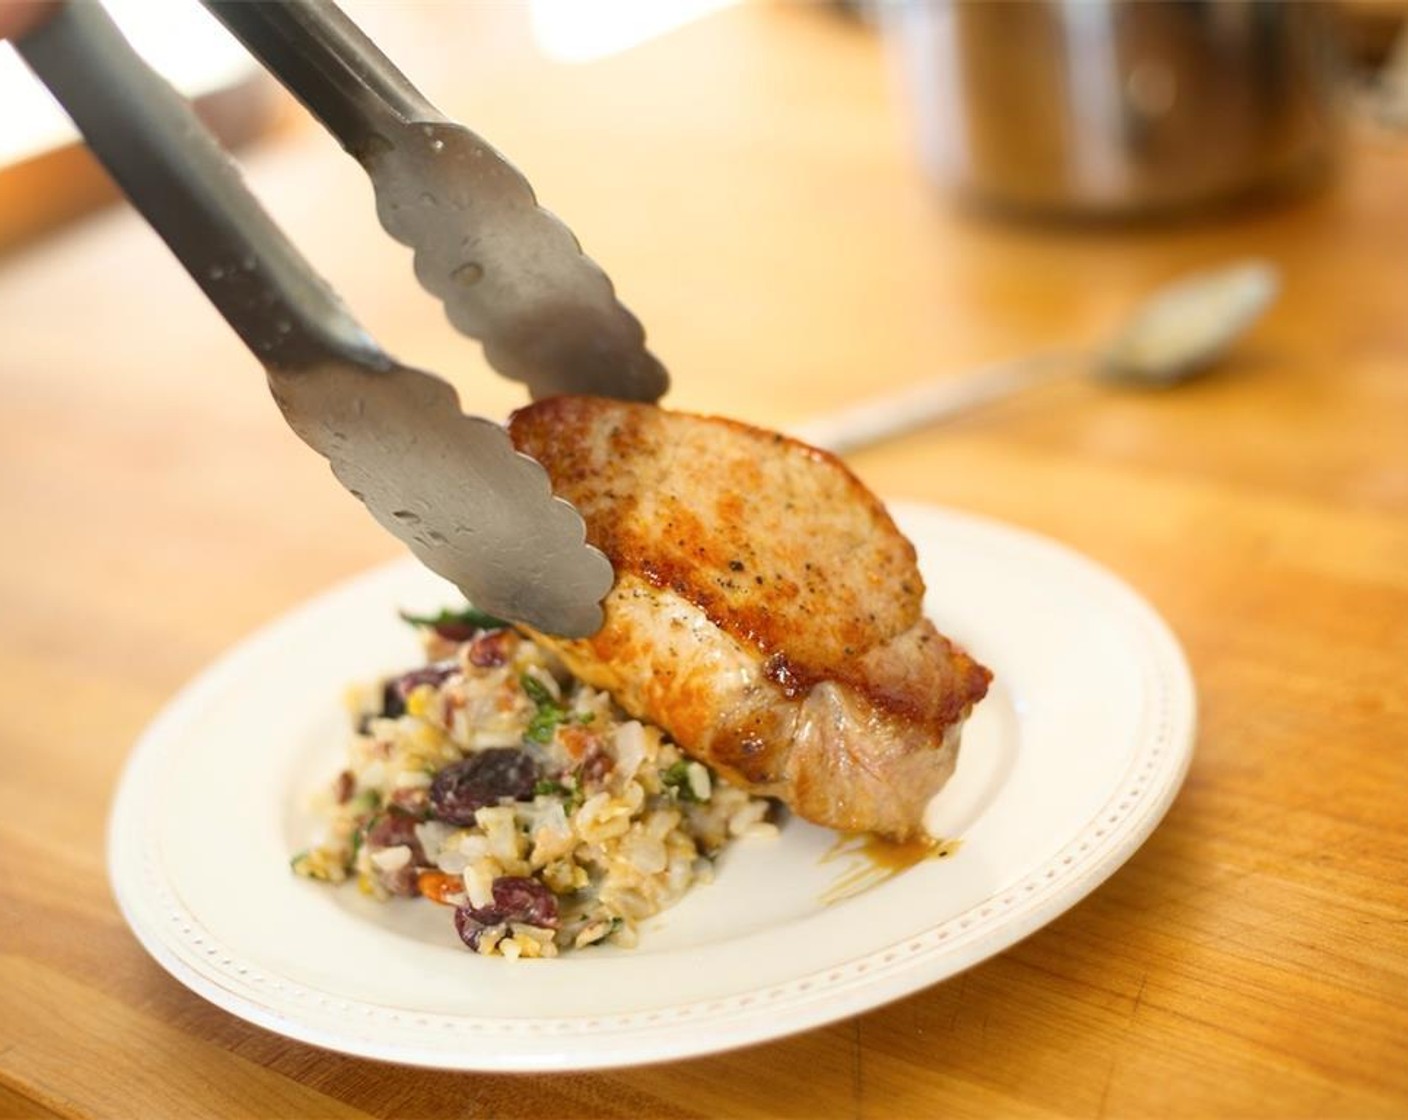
455	631
490	649
433	675
395	690
469	929
392	829
596	765
414	803
516	899
525	900
403	882
392	705
484	778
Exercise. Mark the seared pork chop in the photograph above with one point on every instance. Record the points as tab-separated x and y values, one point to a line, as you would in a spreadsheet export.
766	611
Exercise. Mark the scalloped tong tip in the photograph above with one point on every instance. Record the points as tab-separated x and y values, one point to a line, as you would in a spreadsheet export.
510	274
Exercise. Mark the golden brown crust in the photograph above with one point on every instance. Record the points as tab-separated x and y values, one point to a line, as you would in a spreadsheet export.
778	543
766	611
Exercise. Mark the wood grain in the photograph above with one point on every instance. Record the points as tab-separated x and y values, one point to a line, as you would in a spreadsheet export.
746	182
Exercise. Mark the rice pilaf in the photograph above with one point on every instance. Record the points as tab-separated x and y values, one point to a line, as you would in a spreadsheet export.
492	782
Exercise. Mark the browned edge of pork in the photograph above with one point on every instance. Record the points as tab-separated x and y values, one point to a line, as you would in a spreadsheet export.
767	612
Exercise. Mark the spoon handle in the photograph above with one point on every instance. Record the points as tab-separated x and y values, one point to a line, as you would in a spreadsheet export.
881	418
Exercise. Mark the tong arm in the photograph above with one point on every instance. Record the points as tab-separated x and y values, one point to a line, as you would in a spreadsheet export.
509	273
450	486
186	187
328	64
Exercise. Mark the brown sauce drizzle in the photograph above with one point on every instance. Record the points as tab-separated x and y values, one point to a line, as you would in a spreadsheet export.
880	861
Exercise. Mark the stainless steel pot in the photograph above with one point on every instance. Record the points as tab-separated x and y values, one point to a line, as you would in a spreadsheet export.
1117	107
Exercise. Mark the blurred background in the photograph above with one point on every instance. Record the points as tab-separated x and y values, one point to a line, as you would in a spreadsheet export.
808	206
955	122
986	129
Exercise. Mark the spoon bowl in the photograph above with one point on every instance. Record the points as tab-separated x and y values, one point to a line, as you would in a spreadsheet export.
1180	330
1183	328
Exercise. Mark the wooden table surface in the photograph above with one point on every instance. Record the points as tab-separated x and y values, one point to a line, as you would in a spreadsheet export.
747	183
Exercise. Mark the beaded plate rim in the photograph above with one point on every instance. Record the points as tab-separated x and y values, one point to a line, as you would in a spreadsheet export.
180	942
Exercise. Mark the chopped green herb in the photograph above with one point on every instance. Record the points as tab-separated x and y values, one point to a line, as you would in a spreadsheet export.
358	834
571	795
680	779
543	726
585	717
366	801
677	778
537	691
456	625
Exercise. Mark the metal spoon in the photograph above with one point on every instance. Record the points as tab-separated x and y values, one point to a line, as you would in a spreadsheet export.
1179	331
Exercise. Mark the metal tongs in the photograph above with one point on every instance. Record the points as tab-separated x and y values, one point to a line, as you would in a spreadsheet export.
450	486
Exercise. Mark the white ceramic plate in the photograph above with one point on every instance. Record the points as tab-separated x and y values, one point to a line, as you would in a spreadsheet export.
1065	768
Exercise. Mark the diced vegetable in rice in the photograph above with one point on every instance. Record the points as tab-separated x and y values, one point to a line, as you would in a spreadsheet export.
490	781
